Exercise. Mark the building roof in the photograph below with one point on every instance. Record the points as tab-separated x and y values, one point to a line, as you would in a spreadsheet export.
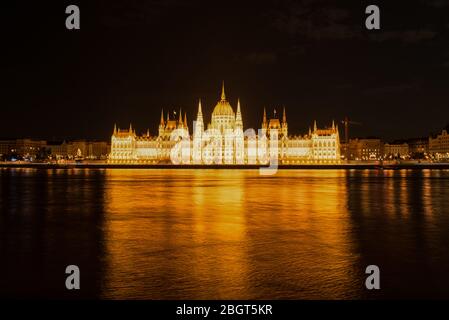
223	108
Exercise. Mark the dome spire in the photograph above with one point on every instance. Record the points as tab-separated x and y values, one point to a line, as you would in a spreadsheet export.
222	108
223	95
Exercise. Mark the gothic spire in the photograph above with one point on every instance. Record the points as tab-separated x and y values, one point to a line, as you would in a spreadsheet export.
284	116
162	117
223	95
199	107
115	128
185	119
199	116
238	116
314	126
264	115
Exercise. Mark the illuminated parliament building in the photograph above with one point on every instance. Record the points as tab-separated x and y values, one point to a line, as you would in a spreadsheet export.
224	141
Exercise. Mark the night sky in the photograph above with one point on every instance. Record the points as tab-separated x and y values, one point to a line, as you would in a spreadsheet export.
132	58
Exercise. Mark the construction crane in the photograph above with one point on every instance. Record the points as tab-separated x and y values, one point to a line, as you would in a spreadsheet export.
347	122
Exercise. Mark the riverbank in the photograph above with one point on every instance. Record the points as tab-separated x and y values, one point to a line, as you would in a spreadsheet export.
102	165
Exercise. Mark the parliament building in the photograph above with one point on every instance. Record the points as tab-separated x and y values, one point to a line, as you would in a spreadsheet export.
224	141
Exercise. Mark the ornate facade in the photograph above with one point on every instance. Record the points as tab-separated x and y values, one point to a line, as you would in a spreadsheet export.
224	141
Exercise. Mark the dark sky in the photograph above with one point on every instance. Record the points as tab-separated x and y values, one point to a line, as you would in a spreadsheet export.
132	58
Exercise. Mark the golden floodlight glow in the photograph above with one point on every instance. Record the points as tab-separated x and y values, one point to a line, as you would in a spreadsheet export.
224	141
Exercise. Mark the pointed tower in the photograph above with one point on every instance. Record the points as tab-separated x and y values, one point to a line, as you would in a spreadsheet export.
239	155
338	151
162	124
284	126
223	95
162	118
333	125
337	133
199	117
264	120
130	128
114	146
314	127
197	136
238	116
185	123
264	126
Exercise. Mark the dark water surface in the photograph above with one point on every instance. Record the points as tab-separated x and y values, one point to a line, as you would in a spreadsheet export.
224	234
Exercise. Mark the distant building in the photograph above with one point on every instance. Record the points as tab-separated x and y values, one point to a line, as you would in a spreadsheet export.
58	149
74	146
72	149
98	150
418	147
27	149
7	147
396	149
439	144
365	149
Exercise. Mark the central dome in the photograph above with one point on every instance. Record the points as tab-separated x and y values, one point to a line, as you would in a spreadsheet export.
223	117
223	108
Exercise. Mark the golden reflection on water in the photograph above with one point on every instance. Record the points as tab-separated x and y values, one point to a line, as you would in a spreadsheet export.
227	234
427	195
